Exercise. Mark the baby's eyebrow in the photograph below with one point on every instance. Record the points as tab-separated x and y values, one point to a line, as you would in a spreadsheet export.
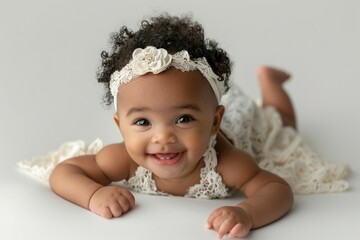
137	109
189	106
144	109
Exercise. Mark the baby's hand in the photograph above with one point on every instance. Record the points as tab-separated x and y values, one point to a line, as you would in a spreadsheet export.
111	201
233	221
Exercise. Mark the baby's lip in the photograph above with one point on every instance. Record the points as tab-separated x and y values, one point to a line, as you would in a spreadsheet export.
166	158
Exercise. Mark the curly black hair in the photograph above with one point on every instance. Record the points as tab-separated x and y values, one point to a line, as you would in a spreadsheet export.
164	31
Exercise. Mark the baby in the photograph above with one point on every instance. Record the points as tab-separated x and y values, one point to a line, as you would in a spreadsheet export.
167	84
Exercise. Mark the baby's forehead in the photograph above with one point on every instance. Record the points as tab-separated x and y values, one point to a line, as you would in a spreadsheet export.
170	80
170	85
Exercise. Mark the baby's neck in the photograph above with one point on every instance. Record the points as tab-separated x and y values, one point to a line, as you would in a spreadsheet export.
179	186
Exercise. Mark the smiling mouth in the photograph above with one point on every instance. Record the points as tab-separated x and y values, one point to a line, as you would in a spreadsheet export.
166	159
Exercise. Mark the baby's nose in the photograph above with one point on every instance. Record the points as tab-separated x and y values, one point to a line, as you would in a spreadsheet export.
164	136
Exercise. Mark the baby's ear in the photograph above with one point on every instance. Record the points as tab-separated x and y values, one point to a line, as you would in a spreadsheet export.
219	112
116	119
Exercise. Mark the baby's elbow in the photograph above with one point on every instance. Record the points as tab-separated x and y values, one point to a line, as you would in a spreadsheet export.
288	196
55	177
284	192
58	175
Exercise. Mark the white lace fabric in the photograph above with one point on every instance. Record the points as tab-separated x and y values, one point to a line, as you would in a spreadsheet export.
41	167
210	186
280	150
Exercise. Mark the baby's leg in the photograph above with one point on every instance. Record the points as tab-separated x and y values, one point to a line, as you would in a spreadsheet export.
273	93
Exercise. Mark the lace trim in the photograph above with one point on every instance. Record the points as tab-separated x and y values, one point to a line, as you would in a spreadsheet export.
42	166
142	182
210	186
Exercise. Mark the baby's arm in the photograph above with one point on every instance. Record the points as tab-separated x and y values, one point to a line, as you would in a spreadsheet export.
84	181
268	198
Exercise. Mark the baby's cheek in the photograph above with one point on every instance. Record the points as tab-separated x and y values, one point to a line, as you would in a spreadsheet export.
197	150
135	146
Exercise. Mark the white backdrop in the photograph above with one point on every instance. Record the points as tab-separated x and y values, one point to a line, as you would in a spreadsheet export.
49	52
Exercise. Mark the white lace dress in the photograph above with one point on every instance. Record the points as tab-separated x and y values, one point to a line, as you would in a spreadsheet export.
256	130
278	149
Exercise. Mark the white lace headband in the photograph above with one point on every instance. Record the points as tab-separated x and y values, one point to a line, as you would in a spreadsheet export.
156	61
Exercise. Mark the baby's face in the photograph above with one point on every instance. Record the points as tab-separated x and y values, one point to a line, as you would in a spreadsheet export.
166	121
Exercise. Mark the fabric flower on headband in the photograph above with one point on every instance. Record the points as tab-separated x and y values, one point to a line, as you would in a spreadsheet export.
150	59
154	60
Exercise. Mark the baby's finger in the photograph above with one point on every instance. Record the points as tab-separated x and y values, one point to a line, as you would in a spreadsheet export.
106	213
116	208
128	195
225	227
124	203
210	221
218	222
238	230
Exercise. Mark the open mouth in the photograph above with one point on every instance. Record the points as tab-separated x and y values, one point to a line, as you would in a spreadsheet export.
166	159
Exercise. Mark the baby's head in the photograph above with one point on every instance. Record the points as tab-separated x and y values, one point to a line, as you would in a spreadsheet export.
167	81
172	34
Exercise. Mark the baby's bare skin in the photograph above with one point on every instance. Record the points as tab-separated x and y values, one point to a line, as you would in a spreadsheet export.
273	94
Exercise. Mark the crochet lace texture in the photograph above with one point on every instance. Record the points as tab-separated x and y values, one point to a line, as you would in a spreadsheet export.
280	150
210	186
156	61
41	167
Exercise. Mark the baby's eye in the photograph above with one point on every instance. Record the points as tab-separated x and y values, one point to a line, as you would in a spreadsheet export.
142	122
184	119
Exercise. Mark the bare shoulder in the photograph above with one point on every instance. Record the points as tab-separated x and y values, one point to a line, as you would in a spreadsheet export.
239	169
236	167
115	161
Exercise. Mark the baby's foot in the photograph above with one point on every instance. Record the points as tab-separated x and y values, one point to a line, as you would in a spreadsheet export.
266	73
